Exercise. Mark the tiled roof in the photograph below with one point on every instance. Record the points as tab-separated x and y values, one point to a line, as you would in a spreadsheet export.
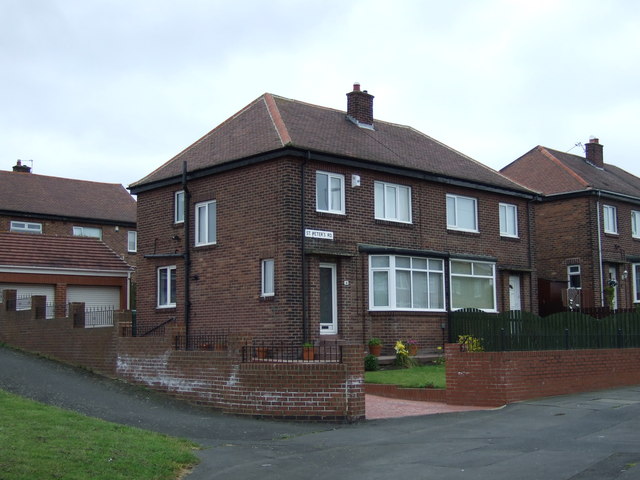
44	195
551	171
67	253
272	123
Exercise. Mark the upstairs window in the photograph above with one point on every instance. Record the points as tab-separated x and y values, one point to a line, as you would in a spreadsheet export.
508	220
132	241
392	202
330	192
26	227
610	219
92	232
167	287
206	223
473	285
268	277
462	213
178	207
635	223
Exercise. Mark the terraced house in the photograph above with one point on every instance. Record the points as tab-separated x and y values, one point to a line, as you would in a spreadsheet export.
296	222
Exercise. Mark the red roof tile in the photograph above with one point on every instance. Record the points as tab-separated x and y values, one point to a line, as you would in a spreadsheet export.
66	253
272	122
41	194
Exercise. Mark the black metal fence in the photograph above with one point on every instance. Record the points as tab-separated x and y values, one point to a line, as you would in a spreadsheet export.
516	330
326	352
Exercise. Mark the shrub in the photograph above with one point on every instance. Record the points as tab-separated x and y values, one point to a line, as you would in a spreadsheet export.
371	363
470	343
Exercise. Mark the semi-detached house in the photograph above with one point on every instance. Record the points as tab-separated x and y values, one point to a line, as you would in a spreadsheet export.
293	222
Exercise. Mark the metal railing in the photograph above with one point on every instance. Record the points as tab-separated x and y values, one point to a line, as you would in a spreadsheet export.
216	342
329	352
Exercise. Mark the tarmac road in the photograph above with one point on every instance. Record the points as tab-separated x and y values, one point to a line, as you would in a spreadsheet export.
591	436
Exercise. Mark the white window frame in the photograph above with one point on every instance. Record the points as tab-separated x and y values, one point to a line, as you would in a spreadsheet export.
199	240
25	227
166	288
384	194
178	207
330	207
85	232
491	278
132	241
392	283
635	223
268	278
508	220
572	272
610	219
635	269
453	214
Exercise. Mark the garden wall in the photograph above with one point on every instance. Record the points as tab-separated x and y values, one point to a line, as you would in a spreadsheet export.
497	378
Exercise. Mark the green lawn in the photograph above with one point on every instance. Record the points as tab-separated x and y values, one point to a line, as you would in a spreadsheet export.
43	442
418	377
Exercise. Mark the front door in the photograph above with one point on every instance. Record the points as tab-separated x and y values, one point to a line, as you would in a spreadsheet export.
328	299
514	292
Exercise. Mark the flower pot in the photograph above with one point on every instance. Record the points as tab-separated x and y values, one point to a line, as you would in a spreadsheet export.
308	353
261	352
375	350
413	350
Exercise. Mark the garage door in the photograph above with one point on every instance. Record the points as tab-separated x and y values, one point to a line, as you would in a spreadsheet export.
25	291
99	302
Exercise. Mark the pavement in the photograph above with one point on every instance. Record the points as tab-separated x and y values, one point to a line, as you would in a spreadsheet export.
589	436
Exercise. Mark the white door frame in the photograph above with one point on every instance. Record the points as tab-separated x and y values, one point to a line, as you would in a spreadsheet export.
331	328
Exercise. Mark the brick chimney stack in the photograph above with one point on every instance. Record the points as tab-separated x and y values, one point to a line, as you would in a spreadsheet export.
594	153
18	167
360	107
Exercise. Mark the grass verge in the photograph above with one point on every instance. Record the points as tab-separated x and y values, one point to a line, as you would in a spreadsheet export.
416	377
43	442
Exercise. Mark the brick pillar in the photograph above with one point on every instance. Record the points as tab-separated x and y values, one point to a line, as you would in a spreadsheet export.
76	312
353	360
39	307
9	300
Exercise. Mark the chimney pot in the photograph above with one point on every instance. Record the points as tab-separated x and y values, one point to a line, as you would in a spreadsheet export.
356	87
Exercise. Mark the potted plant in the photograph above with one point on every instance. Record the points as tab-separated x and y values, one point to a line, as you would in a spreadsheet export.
412	347
308	351
261	352
375	346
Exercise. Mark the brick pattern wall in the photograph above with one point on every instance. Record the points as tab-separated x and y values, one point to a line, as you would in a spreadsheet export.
497	378
258	217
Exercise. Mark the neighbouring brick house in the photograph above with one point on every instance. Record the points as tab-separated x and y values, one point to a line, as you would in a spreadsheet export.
52	228
296	222
588	228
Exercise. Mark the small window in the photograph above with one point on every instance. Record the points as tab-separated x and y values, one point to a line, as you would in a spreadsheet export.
167	287
573	276
268	278
206	223
610	219
635	223
508	220
92	232
26	227
462	213
132	241
392	202
329	192
178	209
473	285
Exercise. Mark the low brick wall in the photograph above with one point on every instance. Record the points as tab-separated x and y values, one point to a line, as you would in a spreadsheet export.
498	378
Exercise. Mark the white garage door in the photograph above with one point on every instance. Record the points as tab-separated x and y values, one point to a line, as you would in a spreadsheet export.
99	302
25	291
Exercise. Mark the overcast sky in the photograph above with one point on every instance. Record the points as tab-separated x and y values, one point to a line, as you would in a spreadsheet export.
108	90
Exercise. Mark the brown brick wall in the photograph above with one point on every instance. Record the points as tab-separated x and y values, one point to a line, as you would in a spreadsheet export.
258	216
498	378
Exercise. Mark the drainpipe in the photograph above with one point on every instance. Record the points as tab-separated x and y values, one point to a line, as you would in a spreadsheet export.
531	260
187	256
600	251
305	317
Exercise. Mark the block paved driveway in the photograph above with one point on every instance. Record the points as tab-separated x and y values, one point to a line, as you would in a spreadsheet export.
591	436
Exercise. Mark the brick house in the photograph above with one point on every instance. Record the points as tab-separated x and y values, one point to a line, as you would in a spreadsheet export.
298	222
588	228
49	229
